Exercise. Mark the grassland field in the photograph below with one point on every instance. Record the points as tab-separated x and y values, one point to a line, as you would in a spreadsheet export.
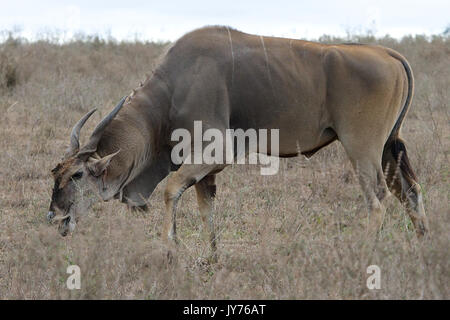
299	234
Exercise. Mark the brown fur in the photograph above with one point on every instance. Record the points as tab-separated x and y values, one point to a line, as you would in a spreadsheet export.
313	93
63	171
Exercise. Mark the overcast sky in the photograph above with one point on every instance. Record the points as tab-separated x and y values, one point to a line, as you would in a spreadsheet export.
169	19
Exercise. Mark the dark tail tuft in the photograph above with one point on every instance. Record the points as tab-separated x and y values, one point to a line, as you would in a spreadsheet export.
398	150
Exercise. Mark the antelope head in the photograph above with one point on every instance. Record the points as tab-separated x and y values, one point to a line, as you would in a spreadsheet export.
79	177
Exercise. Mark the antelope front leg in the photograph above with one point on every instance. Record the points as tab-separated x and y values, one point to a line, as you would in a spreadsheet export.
186	176
174	190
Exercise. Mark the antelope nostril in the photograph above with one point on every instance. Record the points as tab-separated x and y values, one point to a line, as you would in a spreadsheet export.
50	215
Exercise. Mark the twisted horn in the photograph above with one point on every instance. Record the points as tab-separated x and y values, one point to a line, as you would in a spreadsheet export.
75	134
91	146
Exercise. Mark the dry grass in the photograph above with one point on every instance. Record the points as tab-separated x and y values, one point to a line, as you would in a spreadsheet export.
296	235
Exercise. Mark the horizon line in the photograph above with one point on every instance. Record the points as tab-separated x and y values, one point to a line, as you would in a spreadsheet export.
64	36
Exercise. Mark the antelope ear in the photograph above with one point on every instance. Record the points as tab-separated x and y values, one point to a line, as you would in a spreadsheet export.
98	166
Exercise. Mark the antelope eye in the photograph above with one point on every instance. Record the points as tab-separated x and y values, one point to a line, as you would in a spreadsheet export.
77	175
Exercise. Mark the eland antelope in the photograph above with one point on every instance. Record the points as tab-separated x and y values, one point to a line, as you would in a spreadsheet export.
313	93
